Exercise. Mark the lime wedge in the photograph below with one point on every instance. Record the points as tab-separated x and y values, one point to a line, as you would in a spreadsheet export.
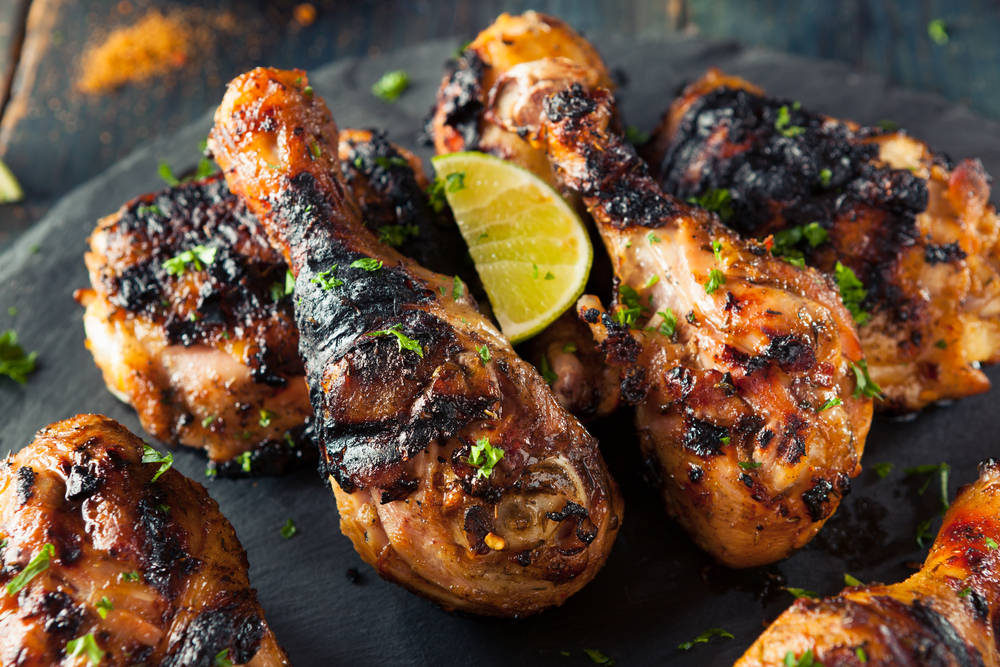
530	248
10	189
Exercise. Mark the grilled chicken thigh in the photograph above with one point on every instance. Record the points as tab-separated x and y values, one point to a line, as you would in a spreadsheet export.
118	560
916	229
205	347
742	367
456	472
948	613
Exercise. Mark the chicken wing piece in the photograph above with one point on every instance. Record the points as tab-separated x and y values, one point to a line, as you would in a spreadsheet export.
121	560
916	230
456	473
742	366
190	312
948	613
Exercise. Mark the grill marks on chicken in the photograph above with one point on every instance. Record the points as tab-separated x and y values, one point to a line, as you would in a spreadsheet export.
402	395
209	358
945	614
917	230
156	557
739	364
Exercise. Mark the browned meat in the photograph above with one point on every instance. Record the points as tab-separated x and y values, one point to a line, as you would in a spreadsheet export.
946	614
742	367
209	356
105	555
917	230
411	419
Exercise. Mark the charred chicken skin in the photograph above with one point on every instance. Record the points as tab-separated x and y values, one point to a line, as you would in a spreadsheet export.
459	478
739	364
107	557
916	230
190	312
948	613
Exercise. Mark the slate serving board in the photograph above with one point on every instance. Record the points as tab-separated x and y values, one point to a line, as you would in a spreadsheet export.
657	589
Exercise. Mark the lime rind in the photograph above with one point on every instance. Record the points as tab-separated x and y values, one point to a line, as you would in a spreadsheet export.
531	250
10	189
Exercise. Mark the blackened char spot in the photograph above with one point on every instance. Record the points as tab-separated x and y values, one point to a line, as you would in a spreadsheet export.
570	103
460	98
61	615
478	525
949	252
633	386
791	353
586	531
792	446
816	499
82	482
232	623
164	559
702	437
25	484
946	635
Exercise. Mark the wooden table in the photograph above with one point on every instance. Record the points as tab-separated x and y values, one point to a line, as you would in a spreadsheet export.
55	136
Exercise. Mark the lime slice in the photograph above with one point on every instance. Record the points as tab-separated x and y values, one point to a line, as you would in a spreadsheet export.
531	250
10	189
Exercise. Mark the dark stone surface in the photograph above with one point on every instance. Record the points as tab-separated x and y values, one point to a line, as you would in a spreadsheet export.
657	589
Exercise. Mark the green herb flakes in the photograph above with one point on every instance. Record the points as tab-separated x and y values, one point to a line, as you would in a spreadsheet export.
14	363
484	354
391	85
85	646
716	200
716	279
484	456
104	606
783	123
328	279
864	385
198	257
288	531
404	341
150	455
801	592
852	293
704	638
367	263
35	567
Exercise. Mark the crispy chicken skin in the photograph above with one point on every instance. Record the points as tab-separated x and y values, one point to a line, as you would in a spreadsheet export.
209	358
738	363
948	613
401	393
917	230
155	556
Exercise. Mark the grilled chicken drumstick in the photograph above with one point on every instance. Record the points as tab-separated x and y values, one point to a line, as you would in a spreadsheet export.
945	614
119	560
742	367
456	473
917	231
190	312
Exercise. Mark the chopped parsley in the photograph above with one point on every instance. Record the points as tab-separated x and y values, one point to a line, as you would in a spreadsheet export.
484	353
786	242
14	363
990	543
851	580
862	656
85	646
484	456
435	195
150	455
938	32
805	660
717	249
129	576
549	275
279	290
941	344
824	177
315	150
652	280
288	531
148	209
12	311
207	421
167	174
546	371
629	313
391	85
265	418
394	161
864	385
653	238
830	403
245	461
704	638
783	123
716	200
404	341
35	567
222	659
198	257
852	293
367	263
598	658
746	465
327	279
457	288
965	592
883	469
668	327
455	181
887	125
801	592
396	235
941	470
716	279
923	532
635	136
104	606
569	348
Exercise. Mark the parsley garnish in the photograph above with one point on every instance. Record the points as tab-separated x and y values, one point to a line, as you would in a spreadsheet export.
715	280
862	656
653	238
704	638
104	606
394	161
396	235
546	371
630	300
864	385
367	263
635	136
852	293
435	195
245	461
883	469
391	85
824	177
207	421
717	249
801	592
35	567
887	125
598	658
150	455
327	280
222	659
805	660
569	348
746	465
923	532
404	341
265	418
129	576
549	275
455	182
315	150
991	543
167	174
85	646
484	353
457	288
941	344
717	200
783	123
484	456
937	31
787	240
289	530
830	403
965	592
279	290
669	324
652	280
851	580
14	363
942	469
197	256
150	209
